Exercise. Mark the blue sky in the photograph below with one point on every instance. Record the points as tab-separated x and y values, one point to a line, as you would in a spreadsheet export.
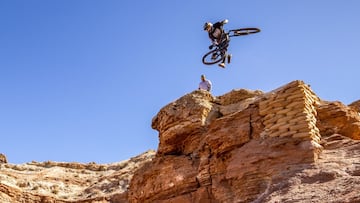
81	80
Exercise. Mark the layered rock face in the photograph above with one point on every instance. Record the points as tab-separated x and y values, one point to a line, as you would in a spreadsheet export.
3	159
57	182
286	145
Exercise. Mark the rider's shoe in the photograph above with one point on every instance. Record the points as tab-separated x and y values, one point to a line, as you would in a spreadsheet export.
229	58
222	65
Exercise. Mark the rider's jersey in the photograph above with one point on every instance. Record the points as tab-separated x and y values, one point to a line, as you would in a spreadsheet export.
216	32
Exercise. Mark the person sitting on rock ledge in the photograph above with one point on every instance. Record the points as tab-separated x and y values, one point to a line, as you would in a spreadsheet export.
205	84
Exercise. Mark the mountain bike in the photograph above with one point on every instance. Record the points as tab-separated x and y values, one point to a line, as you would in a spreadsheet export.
217	54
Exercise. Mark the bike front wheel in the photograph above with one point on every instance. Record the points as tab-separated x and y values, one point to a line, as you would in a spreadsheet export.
245	31
213	57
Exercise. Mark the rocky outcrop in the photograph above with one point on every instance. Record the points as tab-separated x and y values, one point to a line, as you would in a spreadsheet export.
336	117
355	105
3	159
286	145
50	182
250	146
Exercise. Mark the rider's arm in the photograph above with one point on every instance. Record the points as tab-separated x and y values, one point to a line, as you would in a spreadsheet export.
224	21
215	42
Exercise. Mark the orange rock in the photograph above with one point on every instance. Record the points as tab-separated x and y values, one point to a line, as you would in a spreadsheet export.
234	156
244	146
3	159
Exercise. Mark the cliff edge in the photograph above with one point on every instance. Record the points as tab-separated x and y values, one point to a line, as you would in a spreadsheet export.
286	145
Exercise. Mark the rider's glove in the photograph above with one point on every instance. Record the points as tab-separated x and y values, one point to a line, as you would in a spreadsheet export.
225	21
211	46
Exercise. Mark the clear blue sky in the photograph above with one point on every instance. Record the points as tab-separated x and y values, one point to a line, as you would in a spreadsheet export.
80	80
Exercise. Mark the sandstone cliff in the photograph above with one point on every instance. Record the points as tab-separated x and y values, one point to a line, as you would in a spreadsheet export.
286	145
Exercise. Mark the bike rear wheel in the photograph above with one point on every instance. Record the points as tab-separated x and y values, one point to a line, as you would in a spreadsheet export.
245	31
208	57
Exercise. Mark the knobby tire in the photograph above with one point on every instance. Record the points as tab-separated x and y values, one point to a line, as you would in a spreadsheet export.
207	57
244	31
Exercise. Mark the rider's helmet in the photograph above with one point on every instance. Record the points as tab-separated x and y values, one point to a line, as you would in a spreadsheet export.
207	25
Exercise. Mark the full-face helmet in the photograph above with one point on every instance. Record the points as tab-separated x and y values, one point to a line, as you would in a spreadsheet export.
207	25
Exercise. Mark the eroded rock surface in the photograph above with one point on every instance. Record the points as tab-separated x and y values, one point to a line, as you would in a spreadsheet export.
50	182
286	145
3	159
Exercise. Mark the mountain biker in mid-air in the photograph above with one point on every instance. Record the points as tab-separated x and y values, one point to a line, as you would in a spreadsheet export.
217	37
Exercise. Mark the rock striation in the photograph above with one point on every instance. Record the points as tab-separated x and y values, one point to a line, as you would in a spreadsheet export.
3	158
58	182
286	145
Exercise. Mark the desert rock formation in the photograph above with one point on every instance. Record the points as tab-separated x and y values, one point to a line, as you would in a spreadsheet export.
286	145
3	159
57	182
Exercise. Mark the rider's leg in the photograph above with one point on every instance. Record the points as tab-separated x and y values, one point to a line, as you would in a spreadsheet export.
229	58
222	64
227	55
225	45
